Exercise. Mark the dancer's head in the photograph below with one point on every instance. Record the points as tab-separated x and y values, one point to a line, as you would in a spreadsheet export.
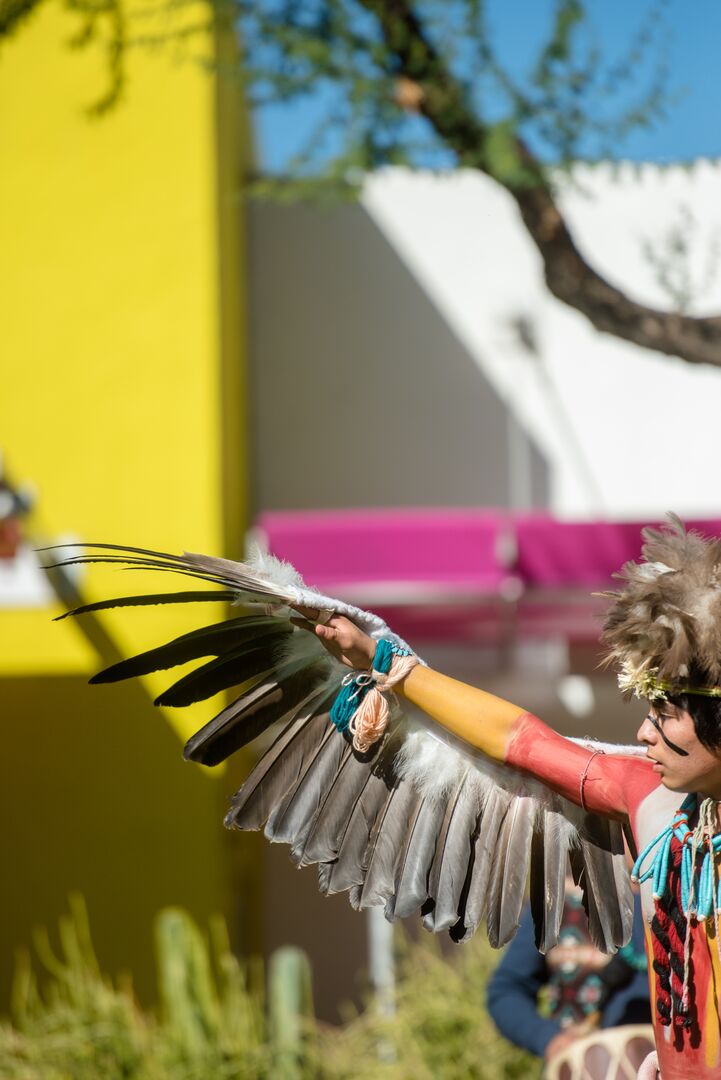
663	630
675	733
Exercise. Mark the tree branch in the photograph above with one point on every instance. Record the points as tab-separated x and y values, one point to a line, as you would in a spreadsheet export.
568	275
13	12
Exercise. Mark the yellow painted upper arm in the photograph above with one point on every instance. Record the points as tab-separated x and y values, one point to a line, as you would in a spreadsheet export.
480	719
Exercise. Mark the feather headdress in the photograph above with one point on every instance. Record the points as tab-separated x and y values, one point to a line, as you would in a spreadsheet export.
663	629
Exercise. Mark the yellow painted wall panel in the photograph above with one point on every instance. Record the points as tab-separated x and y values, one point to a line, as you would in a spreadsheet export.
31	642
111	308
116	357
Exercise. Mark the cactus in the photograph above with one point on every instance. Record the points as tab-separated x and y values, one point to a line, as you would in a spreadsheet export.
188	998
290	1011
212	1024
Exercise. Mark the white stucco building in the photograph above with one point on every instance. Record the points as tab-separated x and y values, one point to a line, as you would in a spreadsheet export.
625	432
418	324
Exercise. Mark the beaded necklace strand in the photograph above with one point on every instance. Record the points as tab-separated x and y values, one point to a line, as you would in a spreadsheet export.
700	890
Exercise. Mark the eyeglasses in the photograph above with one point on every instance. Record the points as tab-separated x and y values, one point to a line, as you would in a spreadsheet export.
657	723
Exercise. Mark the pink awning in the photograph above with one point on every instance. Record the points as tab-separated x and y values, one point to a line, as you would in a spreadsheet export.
467	575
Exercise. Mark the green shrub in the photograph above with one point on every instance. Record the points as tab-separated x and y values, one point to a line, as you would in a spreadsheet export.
440	1027
218	1019
209	1025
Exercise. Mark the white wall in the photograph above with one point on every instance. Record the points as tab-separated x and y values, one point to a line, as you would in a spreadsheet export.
363	394
626	433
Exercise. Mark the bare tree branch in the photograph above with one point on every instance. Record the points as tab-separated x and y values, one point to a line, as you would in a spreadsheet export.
568	275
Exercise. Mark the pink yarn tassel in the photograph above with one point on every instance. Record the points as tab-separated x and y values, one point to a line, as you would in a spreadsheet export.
370	721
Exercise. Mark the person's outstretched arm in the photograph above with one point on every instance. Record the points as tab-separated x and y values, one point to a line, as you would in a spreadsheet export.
504	731
510	734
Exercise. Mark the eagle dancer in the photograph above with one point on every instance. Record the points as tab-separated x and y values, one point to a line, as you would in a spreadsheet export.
452	815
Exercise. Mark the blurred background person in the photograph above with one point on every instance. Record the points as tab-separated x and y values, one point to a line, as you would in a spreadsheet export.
545	1003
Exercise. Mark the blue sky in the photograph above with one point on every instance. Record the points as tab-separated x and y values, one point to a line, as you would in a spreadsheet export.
692	34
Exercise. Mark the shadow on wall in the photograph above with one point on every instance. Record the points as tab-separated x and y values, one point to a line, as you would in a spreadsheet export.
329	931
95	796
362	394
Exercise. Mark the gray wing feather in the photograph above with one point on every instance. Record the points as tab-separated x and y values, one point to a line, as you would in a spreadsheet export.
549	868
332	819
598	866
347	869
484	854
295	813
451	860
385	846
278	770
254	711
507	884
414	860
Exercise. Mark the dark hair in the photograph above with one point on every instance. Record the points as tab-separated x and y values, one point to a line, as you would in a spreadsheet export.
704	711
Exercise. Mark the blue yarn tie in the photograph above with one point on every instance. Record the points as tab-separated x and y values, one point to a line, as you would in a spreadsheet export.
356	684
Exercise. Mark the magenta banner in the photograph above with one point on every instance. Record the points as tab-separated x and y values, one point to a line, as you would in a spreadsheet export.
462	574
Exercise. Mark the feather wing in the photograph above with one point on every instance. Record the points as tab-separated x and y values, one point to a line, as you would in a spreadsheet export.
385	843
418	824
276	774
224	596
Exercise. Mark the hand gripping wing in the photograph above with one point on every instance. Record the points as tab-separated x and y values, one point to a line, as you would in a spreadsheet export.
421	822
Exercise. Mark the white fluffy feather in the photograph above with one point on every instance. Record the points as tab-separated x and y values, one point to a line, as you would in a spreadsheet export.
277	571
434	763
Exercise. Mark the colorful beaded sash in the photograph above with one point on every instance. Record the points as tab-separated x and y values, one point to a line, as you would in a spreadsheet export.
681	862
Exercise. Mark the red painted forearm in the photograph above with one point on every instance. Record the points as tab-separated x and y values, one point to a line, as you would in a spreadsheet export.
612	784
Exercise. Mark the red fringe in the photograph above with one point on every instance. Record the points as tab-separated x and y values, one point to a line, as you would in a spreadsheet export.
669	930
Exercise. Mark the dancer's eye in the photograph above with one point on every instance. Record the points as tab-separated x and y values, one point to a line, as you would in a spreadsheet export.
657	719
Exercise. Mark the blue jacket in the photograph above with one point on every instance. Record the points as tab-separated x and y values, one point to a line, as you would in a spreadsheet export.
514	987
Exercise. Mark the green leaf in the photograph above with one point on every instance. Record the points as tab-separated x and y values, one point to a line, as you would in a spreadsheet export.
501	152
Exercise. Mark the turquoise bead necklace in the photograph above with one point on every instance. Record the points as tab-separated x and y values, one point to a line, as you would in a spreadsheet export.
700	891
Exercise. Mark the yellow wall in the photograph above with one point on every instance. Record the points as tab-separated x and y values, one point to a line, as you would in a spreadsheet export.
122	402
111	318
